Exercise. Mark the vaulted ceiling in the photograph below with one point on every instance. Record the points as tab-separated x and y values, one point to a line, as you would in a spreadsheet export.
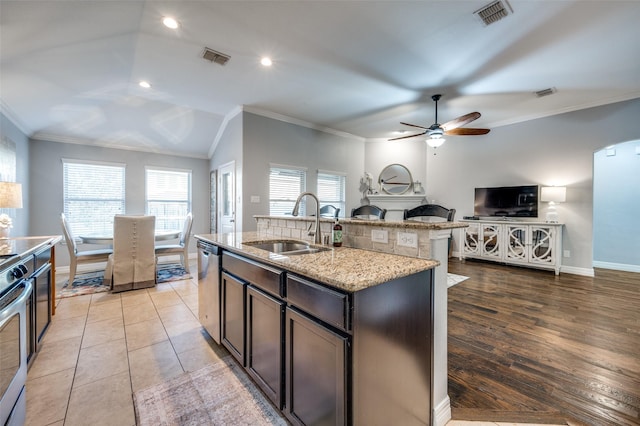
69	70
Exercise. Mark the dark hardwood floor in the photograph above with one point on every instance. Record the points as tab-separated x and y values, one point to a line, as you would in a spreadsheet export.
528	346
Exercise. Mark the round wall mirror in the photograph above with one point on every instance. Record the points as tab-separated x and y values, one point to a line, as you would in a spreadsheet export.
395	179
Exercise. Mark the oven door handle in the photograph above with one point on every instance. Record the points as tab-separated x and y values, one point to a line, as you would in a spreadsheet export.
14	306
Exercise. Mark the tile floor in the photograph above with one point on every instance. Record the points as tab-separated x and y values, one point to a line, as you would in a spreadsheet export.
101	348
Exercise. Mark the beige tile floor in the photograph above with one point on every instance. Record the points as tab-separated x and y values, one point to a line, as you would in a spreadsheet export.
101	348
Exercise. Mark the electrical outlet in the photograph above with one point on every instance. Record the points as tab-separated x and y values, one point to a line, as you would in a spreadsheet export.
408	239
566	253
255	199
379	236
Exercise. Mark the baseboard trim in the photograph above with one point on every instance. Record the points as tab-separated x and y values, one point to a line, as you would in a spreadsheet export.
616	266
442	412
98	266
587	272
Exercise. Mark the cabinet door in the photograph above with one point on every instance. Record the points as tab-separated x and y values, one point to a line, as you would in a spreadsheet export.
542	245
233	315
316	358
517	244
42	292
265	344
491	238
471	239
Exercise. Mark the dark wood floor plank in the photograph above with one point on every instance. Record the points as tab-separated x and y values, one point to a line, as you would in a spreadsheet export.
527	345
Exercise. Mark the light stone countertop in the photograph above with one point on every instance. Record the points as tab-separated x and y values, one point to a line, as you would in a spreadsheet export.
407	224
345	268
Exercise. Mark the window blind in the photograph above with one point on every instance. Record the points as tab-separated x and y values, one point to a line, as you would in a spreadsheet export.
331	190
285	185
92	195
168	196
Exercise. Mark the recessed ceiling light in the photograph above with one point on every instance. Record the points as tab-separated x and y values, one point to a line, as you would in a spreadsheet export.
169	22
266	61
145	84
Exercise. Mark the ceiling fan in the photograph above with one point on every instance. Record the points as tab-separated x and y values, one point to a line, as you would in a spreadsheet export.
436	131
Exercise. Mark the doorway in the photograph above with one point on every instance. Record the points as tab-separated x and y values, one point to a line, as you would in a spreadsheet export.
226	196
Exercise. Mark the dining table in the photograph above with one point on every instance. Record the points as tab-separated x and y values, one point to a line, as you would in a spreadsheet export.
107	239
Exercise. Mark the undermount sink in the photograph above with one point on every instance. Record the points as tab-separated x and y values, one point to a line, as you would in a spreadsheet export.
287	247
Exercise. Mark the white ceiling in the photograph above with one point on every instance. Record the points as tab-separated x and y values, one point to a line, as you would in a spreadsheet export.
69	69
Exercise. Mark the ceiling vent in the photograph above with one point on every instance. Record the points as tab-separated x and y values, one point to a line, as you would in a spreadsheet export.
546	92
493	12
214	56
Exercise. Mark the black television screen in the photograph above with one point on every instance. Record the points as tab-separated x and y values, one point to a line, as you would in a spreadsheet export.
507	201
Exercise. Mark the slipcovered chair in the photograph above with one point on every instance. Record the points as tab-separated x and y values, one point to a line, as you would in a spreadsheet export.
368	211
329	211
432	210
77	257
182	248
133	262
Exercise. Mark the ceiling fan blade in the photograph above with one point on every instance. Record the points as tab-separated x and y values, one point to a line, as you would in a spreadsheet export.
414	125
461	121
465	131
410	136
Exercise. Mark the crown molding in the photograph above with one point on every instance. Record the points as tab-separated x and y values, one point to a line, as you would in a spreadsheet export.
227	118
13	117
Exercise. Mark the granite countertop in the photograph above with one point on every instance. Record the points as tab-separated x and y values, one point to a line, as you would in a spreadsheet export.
407	224
345	268
14	249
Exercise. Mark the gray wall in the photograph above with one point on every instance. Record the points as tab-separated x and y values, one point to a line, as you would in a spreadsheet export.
20	216
255	142
553	150
616	203
45	164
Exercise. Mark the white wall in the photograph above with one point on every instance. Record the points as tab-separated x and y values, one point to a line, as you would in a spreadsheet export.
616	203
552	150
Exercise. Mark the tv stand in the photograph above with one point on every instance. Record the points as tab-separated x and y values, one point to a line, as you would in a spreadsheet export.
532	244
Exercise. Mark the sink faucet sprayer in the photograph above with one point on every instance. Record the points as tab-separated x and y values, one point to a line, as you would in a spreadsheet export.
317	236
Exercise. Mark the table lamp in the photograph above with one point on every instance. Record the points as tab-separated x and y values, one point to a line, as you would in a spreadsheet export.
553	195
10	198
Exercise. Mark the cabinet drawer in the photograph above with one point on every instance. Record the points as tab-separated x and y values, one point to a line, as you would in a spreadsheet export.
264	277
325	304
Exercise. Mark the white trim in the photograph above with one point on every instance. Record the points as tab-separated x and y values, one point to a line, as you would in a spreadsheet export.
299	122
442	412
97	163
331	172
587	272
617	266
286	166
167	169
13	117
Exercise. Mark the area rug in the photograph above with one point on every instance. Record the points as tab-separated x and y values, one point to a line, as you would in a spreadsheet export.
453	279
218	394
91	282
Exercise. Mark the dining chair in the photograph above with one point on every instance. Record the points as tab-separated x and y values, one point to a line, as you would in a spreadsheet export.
133	262
329	211
368	211
182	248
432	210
77	257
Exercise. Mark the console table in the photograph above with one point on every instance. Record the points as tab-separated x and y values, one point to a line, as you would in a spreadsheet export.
533	244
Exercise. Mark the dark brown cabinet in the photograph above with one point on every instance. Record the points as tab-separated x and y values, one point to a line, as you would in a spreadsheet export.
265	358
316	368
233	315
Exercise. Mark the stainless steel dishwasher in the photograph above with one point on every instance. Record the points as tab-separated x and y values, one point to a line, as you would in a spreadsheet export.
209	258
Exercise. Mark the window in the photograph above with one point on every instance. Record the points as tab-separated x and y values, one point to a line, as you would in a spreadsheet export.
331	189
285	185
168	196
93	193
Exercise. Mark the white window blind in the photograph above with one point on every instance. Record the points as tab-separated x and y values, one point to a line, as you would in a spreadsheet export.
331	190
285	185
168	196
93	194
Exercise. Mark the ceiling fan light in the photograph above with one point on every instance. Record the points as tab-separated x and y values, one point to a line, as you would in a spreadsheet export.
435	142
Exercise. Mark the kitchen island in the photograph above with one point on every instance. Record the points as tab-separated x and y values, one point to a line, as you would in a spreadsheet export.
338	336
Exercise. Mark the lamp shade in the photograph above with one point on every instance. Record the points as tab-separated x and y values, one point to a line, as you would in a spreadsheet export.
556	194
10	195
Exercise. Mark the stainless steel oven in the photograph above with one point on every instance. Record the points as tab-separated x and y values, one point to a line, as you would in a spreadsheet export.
15	291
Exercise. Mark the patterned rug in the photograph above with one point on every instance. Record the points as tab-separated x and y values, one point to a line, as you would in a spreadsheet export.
453	279
218	394
91	282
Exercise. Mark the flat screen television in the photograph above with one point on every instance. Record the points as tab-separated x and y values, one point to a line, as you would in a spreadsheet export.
506	201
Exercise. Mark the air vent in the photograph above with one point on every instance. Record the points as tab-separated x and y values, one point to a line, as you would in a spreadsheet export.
493	12
214	56
546	92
